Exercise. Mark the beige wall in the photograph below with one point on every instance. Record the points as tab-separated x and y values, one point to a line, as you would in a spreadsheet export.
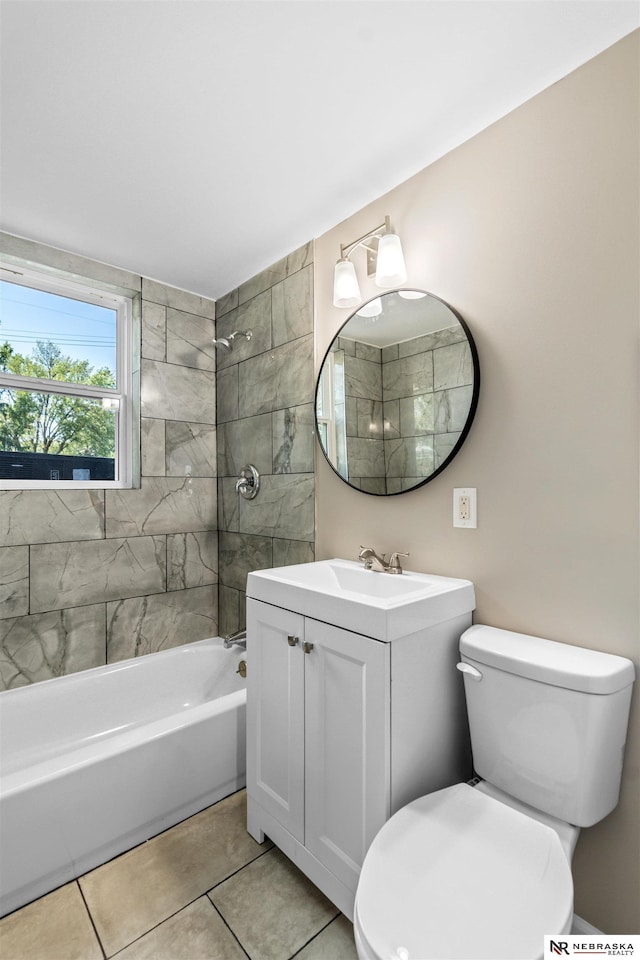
530	230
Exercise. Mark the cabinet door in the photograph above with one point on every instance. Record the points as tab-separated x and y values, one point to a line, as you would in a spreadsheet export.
347	746
275	713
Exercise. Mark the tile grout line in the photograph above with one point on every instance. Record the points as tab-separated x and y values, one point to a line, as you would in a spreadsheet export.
240	869
95	929
155	926
188	904
322	929
230	929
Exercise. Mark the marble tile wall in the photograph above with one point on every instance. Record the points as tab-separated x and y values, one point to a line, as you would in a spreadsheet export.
89	577
405	407
427	385
265	392
364	415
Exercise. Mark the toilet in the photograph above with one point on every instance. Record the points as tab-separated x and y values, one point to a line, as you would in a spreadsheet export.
483	869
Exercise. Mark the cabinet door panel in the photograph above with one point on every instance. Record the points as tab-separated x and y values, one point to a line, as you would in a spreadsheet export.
347	746
275	714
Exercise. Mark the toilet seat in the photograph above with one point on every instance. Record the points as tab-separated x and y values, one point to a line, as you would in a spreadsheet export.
458	875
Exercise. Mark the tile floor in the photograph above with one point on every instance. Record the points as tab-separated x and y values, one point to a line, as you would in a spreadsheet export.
203	890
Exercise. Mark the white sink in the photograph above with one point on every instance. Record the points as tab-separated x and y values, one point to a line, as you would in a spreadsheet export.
380	605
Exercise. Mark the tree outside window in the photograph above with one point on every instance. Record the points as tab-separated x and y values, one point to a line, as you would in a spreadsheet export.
54	423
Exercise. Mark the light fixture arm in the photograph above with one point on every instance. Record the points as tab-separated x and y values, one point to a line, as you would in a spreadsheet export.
347	249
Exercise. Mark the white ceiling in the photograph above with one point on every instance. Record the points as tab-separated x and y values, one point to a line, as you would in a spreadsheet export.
198	141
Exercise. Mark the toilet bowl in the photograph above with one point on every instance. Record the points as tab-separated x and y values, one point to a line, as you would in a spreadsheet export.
458	874
484	870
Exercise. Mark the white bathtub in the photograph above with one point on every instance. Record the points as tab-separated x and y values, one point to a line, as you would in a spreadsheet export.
98	761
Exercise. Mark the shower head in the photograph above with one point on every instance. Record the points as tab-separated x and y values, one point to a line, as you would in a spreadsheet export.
226	343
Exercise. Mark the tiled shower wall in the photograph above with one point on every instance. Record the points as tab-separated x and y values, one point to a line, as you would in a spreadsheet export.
265	417
406	405
89	577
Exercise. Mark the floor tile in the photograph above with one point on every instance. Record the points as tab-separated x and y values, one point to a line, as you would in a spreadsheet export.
135	892
335	942
55	927
195	933
272	908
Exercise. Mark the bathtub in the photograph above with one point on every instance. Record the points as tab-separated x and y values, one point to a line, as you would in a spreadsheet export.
94	763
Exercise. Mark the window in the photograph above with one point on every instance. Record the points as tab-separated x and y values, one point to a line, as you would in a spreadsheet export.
65	383
331	411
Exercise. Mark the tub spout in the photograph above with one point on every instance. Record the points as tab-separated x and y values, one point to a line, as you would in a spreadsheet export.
239	638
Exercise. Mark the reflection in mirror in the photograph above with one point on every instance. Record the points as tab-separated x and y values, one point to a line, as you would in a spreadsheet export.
397	392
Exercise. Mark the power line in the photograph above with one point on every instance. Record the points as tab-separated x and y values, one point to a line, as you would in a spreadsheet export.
67	343
64	342
83	336
62	313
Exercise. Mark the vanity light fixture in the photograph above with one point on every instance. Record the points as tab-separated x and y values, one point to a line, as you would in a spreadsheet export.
372	309
412	294
390	269
384	258
346	290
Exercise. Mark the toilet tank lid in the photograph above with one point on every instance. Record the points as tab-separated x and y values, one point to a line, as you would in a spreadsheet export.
547	661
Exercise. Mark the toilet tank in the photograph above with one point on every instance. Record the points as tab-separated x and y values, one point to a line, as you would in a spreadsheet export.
548	720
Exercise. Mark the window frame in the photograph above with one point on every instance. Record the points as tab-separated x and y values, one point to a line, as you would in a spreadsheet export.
122	395
325	392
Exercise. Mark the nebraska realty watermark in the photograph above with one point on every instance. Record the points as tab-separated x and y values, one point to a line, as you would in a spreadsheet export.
591	946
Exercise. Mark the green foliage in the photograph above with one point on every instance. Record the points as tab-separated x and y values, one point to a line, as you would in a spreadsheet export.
49	422
5	353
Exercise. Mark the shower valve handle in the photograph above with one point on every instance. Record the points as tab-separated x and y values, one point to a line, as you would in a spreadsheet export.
248	483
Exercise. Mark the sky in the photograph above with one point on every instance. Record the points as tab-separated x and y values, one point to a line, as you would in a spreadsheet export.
81	330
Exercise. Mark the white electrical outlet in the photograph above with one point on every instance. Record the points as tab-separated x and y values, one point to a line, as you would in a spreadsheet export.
465	509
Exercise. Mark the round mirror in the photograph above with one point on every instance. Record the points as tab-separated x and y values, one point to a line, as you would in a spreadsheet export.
397	392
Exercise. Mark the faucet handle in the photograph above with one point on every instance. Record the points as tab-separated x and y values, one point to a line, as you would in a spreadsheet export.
394	562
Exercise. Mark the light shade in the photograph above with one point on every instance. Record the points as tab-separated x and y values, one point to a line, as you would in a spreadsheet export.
371	309
346	291
412	294
390	268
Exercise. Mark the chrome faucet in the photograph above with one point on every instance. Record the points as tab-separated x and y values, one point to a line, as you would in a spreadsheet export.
239	638
372	561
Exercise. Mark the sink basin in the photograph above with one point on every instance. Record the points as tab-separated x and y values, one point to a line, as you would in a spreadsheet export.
379	605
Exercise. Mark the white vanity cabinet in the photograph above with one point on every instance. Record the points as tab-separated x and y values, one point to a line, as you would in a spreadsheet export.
342	730
318	738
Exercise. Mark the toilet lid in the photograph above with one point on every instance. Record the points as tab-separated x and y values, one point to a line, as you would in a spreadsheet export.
457	874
